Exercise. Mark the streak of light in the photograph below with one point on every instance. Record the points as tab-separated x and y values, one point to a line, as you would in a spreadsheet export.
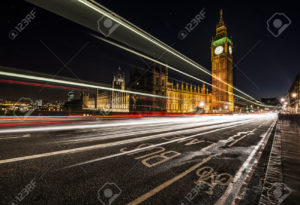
161	144
98	146
31	77
157	121
40	85
169	131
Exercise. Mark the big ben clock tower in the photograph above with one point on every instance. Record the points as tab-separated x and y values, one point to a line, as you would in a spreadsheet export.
222	69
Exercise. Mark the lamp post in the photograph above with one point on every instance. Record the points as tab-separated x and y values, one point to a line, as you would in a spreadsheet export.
293	108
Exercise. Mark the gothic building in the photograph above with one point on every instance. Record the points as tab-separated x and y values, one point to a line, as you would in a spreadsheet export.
153	81
179	97
109	101
222	68
184	98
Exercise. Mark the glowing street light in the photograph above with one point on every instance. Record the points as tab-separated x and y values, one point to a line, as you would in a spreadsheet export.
202	104
282	99
294	95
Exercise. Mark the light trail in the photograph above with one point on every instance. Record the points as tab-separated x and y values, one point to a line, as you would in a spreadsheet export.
41	85
31	77
246	119
134	122
150	38
169	130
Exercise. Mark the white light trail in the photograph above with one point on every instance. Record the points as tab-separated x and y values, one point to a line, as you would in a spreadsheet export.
31	77
135	122
237	120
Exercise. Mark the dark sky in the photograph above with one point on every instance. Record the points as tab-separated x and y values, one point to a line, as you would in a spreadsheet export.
267	64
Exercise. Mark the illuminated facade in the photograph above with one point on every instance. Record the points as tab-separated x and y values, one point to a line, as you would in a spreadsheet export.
294	96
187	98
180	97
222	68
108	101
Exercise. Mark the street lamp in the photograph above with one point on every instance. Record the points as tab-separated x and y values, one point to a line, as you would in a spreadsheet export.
294	95
282	99
202	104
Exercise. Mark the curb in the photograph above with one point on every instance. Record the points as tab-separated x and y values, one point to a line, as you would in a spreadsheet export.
273	177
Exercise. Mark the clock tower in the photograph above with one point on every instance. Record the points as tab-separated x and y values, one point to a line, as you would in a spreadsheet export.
222	69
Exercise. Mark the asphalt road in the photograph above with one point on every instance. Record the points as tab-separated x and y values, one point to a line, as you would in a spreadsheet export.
171	160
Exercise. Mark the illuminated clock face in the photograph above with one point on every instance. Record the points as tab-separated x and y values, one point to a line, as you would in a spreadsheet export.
230	49
219	50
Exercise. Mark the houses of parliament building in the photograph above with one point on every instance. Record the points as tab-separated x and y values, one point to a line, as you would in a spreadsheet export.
178	97
186	98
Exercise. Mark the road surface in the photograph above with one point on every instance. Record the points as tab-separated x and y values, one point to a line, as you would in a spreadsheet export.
166	160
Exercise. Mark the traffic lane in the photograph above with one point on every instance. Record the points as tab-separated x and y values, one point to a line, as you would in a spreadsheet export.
226	159
102	123
16	145
68	182
207	183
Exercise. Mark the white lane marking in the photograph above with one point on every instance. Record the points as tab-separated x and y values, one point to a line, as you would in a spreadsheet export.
157	121
180	130
23	136
239	139
114	124
159	188
86	148
167	183
243	172
156	145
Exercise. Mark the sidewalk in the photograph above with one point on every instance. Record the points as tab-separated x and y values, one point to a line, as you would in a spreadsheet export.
290	132
282	180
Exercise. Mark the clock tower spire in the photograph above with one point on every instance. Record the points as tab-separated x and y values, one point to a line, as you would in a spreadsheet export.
222	68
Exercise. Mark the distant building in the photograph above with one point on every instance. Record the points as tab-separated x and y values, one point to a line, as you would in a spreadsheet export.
108	101
119	100
294	95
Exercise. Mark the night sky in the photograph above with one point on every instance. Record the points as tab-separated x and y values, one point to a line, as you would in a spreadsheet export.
266	66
